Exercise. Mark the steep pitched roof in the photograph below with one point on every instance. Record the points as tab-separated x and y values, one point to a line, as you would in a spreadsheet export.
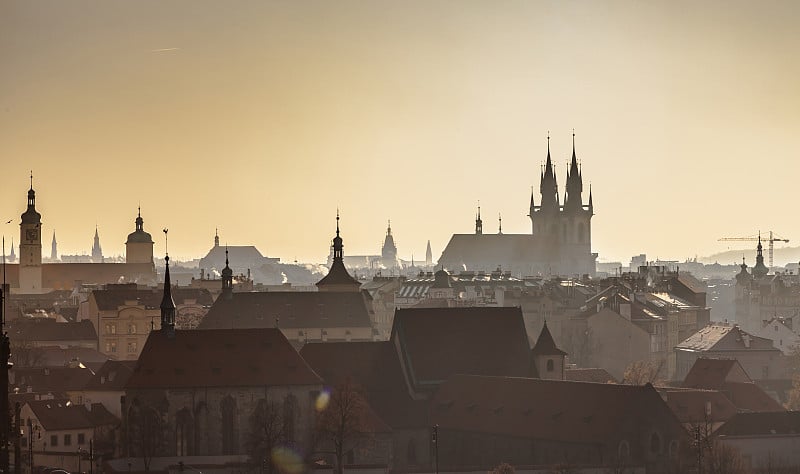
55	415
561	411
711	373
545	345
436	343
50	330
295	309
112	376
487	251
762	424
375	368
220	358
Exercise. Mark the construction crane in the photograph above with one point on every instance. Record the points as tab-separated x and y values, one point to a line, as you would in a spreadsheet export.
772	239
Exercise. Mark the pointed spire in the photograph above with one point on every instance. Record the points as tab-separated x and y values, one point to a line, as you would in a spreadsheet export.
227	278
216	237
500	223
591	205
389	228
478	221
167	303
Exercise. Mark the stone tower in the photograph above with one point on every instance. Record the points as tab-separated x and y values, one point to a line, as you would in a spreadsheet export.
30	247
139	246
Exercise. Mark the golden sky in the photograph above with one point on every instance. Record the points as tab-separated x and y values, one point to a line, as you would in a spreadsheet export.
260	118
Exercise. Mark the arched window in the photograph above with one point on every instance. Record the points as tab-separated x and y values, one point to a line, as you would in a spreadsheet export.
655	443
229	438
289	416
550	365
673	448
183	432
624	450
564	234
411	452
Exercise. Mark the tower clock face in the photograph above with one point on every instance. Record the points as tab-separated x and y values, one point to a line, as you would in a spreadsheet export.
31	234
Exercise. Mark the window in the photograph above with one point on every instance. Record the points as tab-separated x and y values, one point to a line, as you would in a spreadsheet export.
53	440
111	347
81	438
111	328
132	328
229	438
132	346
624	450
655	443
550	365
67	440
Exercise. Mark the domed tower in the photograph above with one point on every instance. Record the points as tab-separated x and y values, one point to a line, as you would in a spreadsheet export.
760	270
389	250
442	287
337	278
139	246
30	247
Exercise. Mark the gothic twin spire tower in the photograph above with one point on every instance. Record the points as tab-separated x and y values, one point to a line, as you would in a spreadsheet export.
548	187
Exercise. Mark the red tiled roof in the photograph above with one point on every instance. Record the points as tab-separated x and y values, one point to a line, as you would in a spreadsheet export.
551	410
595	375
690	405
749	397
295	309
766	423
375	367
709	373
436	343
220	358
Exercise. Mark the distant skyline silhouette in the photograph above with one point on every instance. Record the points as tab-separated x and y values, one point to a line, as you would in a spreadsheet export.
261	118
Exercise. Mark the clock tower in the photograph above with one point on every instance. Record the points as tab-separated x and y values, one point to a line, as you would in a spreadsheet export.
30	247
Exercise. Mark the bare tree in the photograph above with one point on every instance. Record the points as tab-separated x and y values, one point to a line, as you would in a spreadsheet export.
267	432
710	455
343	423
24	353
144	432
643	372
504	468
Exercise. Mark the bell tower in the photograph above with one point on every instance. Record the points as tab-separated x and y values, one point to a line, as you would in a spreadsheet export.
30	247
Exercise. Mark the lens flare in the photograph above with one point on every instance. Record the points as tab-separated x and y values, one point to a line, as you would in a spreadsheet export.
287	460
322	400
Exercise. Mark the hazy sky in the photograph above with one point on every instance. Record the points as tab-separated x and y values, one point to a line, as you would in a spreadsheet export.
260	118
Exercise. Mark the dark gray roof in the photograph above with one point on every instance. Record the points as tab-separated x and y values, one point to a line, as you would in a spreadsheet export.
295	309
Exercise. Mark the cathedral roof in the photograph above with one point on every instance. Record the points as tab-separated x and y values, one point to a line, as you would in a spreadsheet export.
220	358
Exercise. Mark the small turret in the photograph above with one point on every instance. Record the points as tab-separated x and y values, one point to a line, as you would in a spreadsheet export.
227	279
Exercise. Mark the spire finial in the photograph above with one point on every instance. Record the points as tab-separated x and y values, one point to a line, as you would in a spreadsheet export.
337	222
500	221
31	179
226	254
166	245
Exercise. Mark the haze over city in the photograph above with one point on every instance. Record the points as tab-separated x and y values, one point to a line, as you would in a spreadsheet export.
261	118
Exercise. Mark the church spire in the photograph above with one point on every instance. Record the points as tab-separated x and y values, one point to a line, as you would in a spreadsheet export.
54	248
97	251
499	223
167	303
227	278
216	237
337	278
549	184
478	222
760	270
574	189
